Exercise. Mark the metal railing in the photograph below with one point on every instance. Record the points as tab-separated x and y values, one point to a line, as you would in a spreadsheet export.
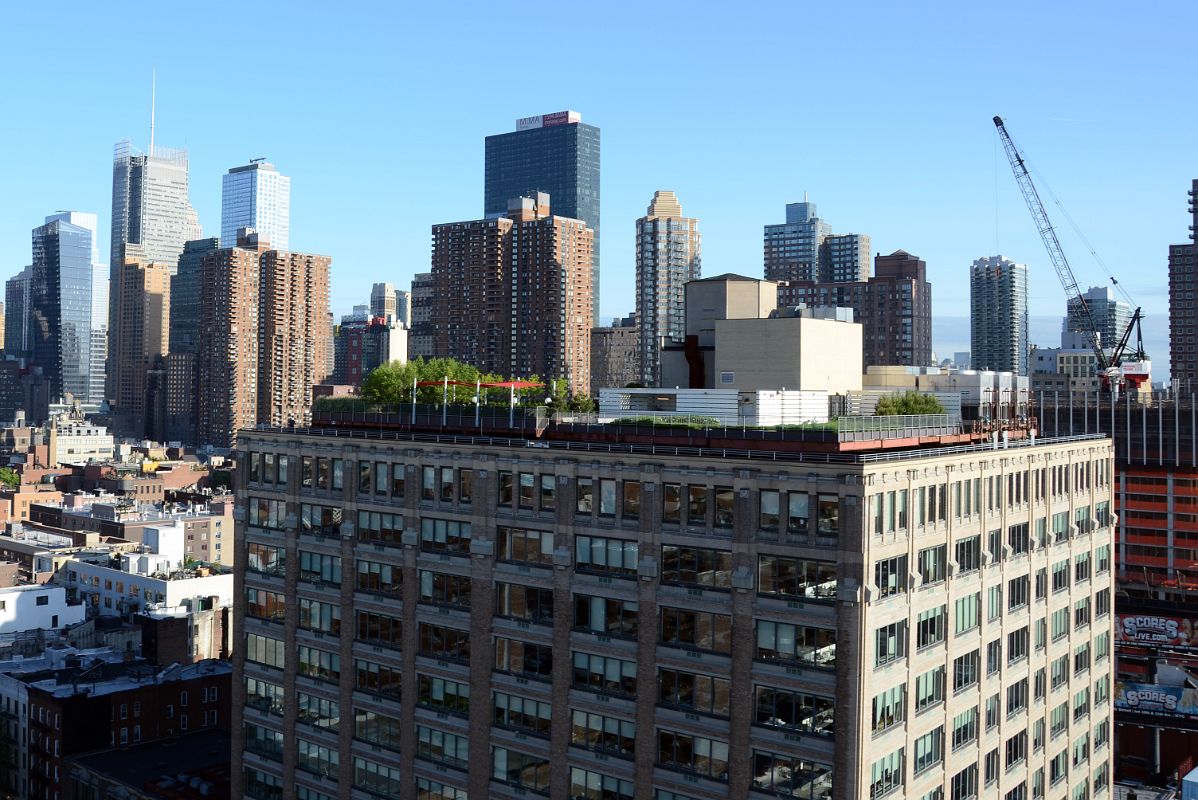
748	454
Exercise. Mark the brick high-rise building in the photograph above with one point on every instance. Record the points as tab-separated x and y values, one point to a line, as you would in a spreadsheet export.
700	623
668	254
894	307
140	339
1183	307
295	335
265	337
227	368
513	294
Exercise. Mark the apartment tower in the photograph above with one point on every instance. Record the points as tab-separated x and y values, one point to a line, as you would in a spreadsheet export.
998	319
513	293
723	623
668	254
1183	313
556	154
804	249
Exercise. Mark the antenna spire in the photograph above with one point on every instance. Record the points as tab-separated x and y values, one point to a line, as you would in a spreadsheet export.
153	98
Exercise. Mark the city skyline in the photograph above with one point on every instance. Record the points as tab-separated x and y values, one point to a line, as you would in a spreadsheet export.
925	181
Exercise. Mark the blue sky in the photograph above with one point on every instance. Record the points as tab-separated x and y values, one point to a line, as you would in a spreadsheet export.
880	111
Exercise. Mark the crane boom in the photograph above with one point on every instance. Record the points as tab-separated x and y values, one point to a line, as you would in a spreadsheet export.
1049	236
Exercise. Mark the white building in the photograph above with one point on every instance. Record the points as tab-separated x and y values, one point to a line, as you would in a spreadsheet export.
143	580
75	441
256	196
34	606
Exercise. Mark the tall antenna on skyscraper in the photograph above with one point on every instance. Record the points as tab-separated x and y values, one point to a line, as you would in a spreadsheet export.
153	98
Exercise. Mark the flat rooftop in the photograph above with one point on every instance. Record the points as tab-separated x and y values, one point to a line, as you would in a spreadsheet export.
192	766
861	440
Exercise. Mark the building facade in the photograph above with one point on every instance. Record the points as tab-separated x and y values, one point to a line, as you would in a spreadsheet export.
62	282
668	254
998	319
140	340
613	626
16	318
422	332
382	300
552	153
1110	315
513	294
894	308
152	218
615	357
265	337
804	249
256	196
1183	313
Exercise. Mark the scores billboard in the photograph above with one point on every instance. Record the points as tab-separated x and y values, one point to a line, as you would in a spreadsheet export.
1157	630
1155	700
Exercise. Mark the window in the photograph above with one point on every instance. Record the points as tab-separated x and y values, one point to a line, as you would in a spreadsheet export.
320	568
767	518
607	497
527	490
931	627
1019	538
696	566
965	727
524	658
794	577
397	481
993	603
1018	592
694	754
319	664
725	507
525	547
376	678
519	769
465	486
969	554
886	774
380	528
786	642
601	555
587	785
781	708
798	512
442	748
631	508
1017	697
890	708
522	714
377	779
266	560
1017	645
991	766
772	772
444	589
604	674
890	575
438	641
606	615
929	689
700	693
967	612
524	602
444	536
585	491
993	656
929	749
890	642
931	564
602	733
442	694
378	578
430	790
964	785
319	712
322	617
261	604
548	497
428	483
671	496
698	629
966	670
378	629
829	515
446	484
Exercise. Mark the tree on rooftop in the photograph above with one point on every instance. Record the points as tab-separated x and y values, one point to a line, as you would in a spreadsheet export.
9	477
908	402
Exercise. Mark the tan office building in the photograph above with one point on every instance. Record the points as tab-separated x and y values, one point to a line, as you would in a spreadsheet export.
584	619
141	337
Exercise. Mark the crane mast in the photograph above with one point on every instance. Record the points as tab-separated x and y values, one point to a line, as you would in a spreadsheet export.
1051	244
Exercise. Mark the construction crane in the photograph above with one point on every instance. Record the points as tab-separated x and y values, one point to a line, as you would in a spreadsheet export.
1112	368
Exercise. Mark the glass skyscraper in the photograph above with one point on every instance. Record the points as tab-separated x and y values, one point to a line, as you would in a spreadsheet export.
552	153
151	212
62	288
256	196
